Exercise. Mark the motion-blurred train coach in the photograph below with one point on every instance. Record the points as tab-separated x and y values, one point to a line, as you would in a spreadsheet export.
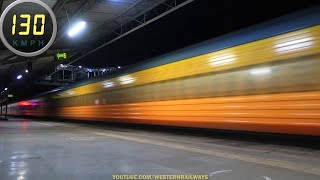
262	79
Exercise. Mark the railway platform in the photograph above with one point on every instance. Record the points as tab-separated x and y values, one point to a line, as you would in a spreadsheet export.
39	149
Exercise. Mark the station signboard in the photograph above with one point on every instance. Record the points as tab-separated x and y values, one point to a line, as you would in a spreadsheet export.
60	56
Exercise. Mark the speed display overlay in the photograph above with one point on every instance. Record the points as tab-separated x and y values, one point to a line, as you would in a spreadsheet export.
28	27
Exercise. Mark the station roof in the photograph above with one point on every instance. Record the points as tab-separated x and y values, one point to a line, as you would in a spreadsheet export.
107	20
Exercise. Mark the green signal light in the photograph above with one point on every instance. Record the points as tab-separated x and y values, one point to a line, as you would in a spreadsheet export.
61	56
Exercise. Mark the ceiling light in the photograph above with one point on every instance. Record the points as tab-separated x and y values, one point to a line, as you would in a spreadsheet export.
76	29
19	76
260	71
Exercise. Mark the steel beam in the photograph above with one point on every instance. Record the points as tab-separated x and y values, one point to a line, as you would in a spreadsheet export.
176	7
85	6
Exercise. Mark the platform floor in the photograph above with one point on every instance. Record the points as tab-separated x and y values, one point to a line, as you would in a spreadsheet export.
43	150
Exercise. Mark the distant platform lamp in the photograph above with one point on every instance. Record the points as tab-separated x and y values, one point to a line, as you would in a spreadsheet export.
29	67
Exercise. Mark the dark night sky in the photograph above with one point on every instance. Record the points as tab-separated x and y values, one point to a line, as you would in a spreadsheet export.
196	22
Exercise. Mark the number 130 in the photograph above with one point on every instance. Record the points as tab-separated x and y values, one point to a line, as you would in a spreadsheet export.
27	24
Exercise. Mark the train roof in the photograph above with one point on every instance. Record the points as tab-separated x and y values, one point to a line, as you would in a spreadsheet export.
295	21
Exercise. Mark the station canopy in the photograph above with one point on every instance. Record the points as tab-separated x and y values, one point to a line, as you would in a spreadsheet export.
106	20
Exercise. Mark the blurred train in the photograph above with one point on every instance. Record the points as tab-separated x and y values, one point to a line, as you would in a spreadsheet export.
265	78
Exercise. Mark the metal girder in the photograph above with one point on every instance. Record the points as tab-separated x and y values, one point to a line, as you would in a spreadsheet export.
84	7
59	4
122	34
137	15
6	60
118	19
1	3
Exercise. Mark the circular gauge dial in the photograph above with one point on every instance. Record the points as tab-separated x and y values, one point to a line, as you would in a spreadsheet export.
28	27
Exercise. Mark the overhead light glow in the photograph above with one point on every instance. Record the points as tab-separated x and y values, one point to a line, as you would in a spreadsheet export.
260	71
222	60
76	29
80	66
119	67
108	84
63	66
26	70
5	89
294	45
126	79
19	76
70	93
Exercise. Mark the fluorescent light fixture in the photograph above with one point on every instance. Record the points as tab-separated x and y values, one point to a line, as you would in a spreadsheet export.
5	89
58	89
63	66
19	76
294	45
260	71
76	29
